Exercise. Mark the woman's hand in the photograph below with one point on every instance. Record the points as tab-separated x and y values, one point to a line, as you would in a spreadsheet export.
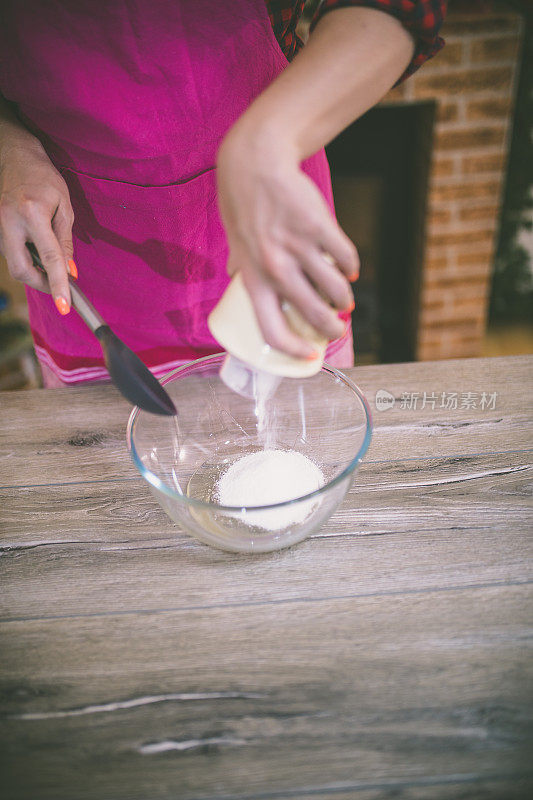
277	222
279	227
35	207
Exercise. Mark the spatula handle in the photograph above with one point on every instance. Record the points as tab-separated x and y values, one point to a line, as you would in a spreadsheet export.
83	306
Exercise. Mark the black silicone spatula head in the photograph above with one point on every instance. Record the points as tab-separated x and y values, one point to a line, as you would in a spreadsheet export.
131	377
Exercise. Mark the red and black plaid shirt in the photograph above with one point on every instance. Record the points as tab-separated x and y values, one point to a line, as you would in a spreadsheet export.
422	18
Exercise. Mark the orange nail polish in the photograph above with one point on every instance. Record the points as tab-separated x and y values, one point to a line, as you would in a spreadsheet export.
312	356
72	269
353	277
62	305
350	307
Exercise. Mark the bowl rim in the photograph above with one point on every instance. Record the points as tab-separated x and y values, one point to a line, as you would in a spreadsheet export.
155	481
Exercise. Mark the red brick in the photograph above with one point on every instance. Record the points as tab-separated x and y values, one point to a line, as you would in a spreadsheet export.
435	263
455	331
476	258
465	330
439	216
427	336
469	313
472	273
466	190
450	56
466	80
455	298
490	162
434	229
489	108
442	167
486	213
433	297
461	237
491	49
453	280
465	292
430	340
461	138
447	112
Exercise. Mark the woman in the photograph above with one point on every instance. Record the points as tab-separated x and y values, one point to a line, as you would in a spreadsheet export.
113	119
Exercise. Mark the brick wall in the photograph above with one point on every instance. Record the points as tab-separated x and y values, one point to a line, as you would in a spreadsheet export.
473	82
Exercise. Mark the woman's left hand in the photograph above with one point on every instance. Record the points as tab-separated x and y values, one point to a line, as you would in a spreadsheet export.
279	228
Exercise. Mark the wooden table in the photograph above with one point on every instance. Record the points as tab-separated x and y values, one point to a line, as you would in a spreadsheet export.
385	657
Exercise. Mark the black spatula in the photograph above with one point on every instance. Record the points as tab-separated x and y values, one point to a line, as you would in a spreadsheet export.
132	378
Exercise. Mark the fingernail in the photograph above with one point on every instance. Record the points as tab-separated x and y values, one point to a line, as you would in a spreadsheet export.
312	355
72	268
351	307
62	305
353	277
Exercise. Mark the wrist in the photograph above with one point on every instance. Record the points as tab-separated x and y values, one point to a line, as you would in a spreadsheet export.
259	138
17	142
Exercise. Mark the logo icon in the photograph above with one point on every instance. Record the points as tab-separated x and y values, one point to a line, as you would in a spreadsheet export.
384	400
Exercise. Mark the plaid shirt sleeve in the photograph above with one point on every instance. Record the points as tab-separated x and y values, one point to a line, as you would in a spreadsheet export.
422	18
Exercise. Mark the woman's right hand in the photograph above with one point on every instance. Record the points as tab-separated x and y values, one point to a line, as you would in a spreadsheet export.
35	207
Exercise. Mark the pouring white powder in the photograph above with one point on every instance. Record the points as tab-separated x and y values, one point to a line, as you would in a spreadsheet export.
268	477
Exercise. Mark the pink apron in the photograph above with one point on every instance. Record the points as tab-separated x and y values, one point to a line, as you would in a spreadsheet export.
131	101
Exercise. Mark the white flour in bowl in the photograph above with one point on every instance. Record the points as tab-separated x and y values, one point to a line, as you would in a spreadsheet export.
267	477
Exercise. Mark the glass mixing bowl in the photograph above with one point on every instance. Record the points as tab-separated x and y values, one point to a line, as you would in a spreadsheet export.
326	418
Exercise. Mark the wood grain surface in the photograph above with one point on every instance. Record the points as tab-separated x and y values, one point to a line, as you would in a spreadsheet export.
388	656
